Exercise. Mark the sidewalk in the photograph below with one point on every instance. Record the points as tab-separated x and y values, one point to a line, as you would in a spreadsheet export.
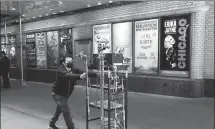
145	111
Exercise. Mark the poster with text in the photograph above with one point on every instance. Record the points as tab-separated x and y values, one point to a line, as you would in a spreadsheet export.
175	46
146	47
122	43
41	50
52	49
102	38
31	51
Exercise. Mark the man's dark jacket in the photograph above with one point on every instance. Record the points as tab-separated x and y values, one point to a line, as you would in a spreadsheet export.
66	80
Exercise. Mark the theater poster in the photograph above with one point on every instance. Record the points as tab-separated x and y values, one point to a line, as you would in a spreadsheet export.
146	47
52	49
175	46
41	50
66	42
102	38
12	51
31	50
122	43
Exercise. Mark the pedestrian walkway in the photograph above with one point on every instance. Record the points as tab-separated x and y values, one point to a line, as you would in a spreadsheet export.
145	111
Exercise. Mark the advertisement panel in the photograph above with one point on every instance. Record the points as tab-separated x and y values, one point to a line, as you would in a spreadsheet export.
175	45
52	49
122	42
31	51
102	36
41	50
146	47
13	51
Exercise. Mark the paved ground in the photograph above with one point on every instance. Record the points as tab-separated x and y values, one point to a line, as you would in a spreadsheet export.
145	111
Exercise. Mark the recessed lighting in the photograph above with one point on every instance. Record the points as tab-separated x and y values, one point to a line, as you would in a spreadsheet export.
61	11
13	8
23	15
60	2
47	14
99	3
34	17
54	13
88	5
51	9
110	1
40	15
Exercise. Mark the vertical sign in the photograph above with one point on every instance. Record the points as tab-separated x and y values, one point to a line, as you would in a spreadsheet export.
122	42
52	49
175	45
146	47
41	50
31	50
102	36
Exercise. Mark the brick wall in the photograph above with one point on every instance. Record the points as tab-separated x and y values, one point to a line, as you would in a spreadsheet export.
209	43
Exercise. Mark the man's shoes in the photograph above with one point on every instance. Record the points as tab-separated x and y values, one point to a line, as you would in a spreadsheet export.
53	126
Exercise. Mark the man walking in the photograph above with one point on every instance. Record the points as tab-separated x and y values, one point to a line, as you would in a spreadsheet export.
4	69
66	78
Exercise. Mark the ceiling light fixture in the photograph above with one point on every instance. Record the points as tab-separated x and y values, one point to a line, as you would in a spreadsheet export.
34	17
40	15
88	5
61	11
99	3
47	14
110	1
23	15
54	13
51	9
13	8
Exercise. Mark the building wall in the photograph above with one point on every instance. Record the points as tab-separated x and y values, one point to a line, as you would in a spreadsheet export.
209	43
200	67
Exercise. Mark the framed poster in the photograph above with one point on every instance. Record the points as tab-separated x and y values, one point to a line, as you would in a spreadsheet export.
52	49
31	50
175	46
146	47
41	50
101	38
12	51
122	43
66	42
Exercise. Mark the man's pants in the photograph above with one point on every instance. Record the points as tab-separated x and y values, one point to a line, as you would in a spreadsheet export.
5	79
62	107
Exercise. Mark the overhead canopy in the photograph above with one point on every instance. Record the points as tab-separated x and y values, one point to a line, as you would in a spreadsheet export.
9	15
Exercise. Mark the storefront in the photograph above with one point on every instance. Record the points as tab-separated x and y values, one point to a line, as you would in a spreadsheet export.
164	42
